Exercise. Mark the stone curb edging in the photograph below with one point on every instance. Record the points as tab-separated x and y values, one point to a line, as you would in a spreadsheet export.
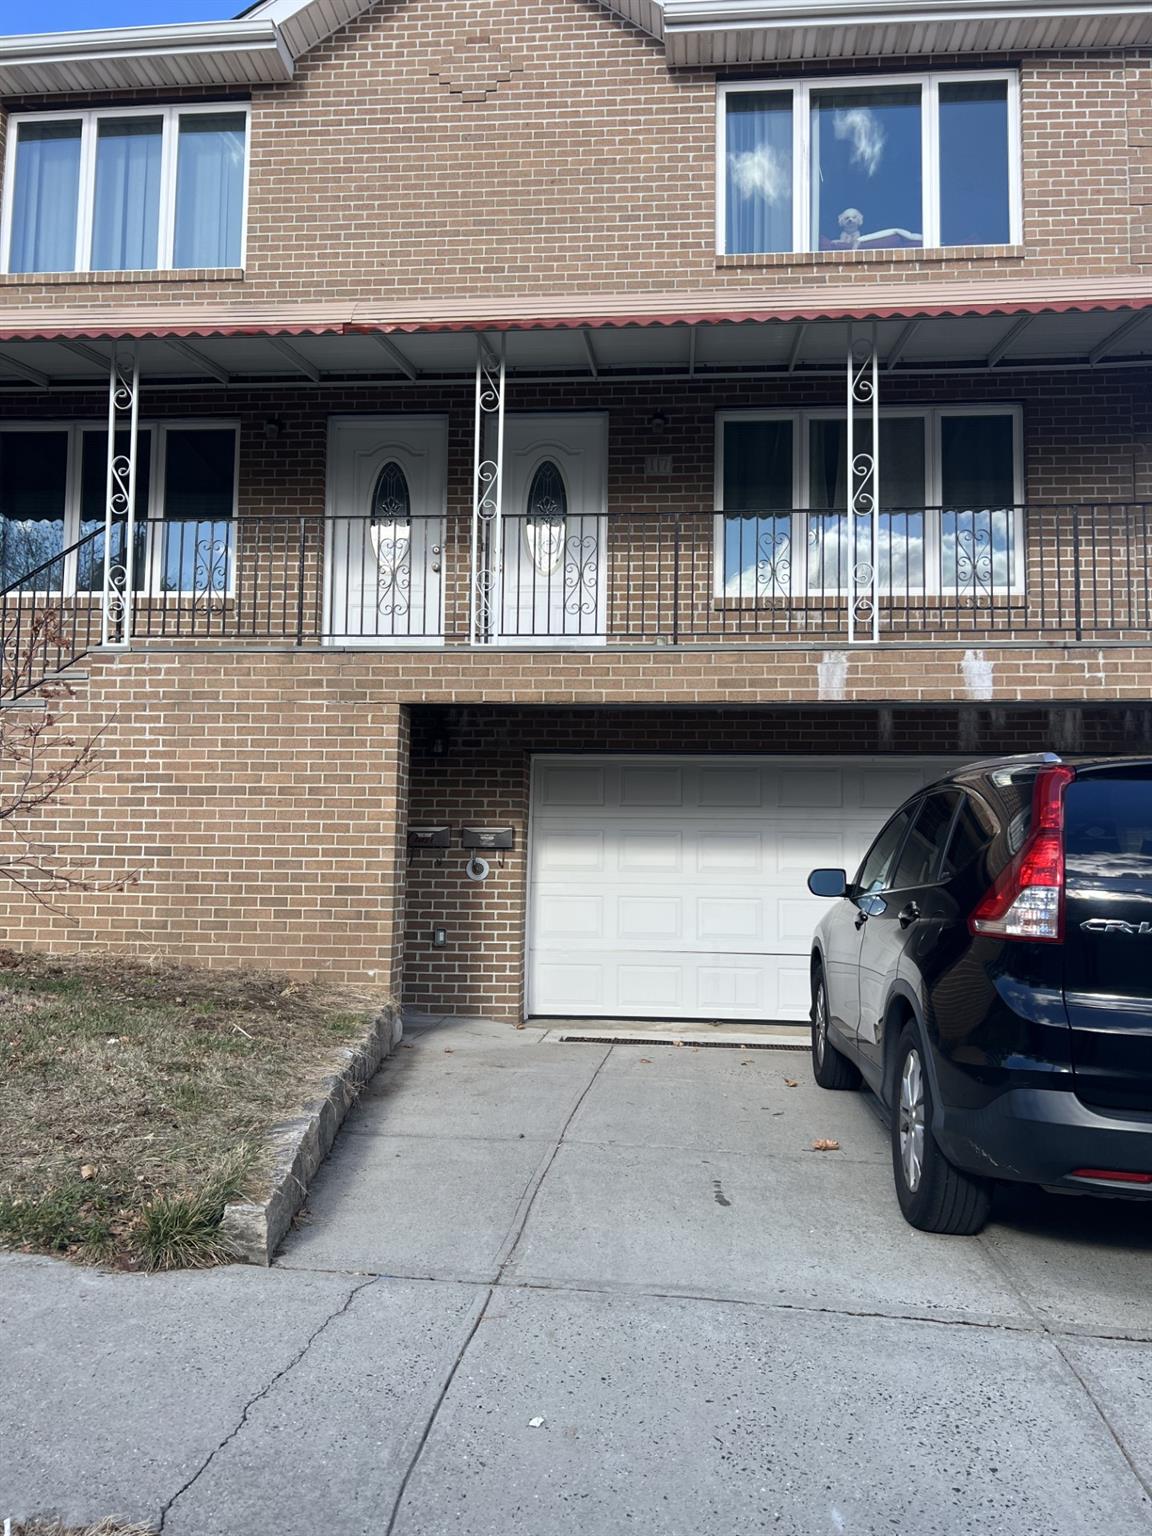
255	1229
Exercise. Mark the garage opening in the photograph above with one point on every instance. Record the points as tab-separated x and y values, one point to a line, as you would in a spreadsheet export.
675	887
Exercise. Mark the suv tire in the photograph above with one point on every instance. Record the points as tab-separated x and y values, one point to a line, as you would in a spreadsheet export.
933	1194
829	1067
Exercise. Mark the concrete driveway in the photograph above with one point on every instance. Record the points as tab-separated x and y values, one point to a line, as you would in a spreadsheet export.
553	1289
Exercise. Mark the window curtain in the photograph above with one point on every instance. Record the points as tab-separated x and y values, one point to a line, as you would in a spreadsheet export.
978	523
199	493
758	484
93	496
209	190
45	198
901	555
759	172
126	217
33	487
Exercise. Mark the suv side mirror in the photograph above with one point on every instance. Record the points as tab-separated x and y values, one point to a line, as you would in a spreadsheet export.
828	882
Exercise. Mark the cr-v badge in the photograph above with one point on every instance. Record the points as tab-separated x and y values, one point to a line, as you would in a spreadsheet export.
1117	925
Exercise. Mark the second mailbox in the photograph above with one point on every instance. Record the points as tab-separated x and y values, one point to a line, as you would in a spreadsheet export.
496	838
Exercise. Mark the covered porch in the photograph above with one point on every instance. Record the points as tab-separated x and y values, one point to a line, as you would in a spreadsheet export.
900	473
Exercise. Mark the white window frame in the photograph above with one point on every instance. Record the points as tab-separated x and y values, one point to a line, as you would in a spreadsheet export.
801	93
934	586
153	514
170	143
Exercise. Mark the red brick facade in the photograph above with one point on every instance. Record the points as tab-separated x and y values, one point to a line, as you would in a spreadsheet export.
259	797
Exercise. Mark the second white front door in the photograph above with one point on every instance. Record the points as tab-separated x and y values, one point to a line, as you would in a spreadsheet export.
552	547
386	504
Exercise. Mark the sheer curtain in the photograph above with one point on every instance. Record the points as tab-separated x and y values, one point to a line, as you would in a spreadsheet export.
759	172
758	508
33	491
210	190
45	198
901	556
126	216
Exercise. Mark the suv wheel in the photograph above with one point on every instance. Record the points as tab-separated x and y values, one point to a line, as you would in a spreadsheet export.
934	1195
829	1067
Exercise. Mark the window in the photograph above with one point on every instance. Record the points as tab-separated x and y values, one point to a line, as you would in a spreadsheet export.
904	162
544	522
129	189
53	486
972	832
873	875
950	490
920	856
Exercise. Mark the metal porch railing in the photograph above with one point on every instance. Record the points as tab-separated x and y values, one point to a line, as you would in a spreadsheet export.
946	575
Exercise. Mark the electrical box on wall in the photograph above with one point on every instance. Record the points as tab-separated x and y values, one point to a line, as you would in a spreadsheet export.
499	838
429	837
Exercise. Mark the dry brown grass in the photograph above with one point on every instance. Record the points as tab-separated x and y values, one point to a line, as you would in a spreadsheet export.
101	1528
135	1098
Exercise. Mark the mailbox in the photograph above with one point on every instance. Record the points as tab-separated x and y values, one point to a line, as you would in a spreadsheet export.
429	837
499	838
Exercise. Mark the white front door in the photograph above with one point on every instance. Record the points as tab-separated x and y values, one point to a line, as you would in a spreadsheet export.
676	887
554	500
386	505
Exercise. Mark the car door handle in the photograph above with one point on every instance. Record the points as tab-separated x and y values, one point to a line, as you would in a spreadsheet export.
861	919
909	915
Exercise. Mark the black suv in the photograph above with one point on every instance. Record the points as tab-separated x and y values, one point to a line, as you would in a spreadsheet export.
989	973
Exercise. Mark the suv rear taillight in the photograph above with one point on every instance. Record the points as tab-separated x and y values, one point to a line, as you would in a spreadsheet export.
1027	900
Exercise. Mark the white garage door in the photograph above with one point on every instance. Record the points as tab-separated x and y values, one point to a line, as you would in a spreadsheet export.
675	887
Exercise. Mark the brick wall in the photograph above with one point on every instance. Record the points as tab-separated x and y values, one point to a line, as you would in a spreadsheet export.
509	147
259	799
237	846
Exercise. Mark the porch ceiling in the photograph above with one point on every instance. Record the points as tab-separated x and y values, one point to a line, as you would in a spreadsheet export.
219	351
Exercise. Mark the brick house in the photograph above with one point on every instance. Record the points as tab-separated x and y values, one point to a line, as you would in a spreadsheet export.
660	433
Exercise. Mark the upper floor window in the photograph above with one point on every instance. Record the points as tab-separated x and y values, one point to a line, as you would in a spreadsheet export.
903	162
127	189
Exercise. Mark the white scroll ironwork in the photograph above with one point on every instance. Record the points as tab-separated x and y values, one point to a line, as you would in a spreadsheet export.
863	482
120	496
487	494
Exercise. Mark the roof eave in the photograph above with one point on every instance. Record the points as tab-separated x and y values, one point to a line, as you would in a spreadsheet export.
131	58
713	33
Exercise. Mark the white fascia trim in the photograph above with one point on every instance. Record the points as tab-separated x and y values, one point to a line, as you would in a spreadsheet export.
108	46
709	14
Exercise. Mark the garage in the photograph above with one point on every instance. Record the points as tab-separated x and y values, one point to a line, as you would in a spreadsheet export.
674	887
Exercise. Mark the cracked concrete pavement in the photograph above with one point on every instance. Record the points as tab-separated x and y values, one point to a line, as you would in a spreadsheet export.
720	1330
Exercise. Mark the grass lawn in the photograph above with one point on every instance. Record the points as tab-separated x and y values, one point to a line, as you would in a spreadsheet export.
135	1098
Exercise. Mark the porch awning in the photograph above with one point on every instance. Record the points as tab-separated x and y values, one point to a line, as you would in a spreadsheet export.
920	326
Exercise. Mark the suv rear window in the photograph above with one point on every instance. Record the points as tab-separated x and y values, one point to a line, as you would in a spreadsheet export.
1106	813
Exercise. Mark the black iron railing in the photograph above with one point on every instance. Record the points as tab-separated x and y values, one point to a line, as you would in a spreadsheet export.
635	577
50	616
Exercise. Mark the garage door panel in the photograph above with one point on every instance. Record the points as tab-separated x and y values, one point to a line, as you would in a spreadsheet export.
650	787
732	852
563	852
729	919
678	889
657	986
572	786
726	788
661	851
811	788
567	917
649	917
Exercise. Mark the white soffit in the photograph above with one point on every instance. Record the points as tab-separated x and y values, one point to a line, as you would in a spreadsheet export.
728	32
259	47
245	52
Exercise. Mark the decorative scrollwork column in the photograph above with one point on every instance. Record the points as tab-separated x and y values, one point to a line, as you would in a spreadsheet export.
487	495
120	496
863	481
